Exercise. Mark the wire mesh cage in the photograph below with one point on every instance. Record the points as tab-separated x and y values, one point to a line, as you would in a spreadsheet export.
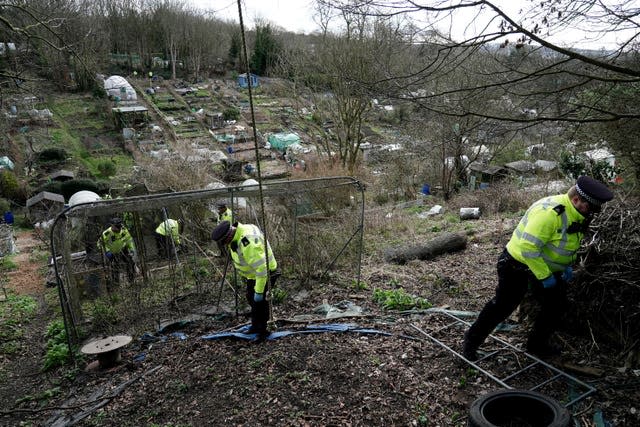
313	226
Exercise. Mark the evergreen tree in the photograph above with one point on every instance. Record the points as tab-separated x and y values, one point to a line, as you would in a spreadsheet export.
265	51
234	49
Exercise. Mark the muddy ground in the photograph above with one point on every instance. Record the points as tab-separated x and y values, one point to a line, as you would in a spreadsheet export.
389	374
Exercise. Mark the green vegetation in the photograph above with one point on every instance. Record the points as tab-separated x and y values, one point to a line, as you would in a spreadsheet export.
398	299
359	285
231	114
43	397
9	185
104	312
57	347
15	312
278	295
470	374
575	165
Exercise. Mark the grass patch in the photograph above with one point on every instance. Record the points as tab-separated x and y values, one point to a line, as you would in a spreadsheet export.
14	312
7	263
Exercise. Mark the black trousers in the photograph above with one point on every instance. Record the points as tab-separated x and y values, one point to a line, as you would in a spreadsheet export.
120	259
514	280
164	244
260	310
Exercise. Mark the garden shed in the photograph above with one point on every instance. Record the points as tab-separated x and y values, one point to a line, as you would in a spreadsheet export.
521	167
243	80
487	174
44	206
126	117
62	175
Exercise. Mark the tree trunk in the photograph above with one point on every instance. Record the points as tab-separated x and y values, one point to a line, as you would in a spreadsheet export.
448	242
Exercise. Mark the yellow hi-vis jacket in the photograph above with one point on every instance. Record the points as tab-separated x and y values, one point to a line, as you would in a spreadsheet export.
247	252
171	227
115	242
227	215
543	241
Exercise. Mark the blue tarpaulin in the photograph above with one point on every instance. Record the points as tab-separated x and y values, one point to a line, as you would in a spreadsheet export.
240	333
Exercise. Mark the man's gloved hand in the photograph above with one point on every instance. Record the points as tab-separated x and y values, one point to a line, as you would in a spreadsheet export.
258	297
109	255
549	282
567	274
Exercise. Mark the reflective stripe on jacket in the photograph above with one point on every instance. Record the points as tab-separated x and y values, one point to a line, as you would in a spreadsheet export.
541	240
248	255
174	229
115	242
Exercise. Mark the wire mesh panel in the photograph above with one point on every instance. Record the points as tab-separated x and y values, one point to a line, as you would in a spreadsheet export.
314	227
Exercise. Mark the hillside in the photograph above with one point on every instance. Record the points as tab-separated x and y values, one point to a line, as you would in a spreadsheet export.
386	374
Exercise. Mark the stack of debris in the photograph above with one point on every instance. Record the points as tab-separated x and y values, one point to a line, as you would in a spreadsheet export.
606	295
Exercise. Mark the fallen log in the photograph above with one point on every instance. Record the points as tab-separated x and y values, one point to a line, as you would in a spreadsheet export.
445	243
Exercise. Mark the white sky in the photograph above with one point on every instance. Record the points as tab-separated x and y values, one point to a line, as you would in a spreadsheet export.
293	15
297	16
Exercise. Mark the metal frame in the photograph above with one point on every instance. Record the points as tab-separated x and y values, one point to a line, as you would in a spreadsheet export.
137	204
503	382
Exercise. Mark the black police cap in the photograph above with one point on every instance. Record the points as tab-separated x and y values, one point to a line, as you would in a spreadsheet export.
593	191
221	231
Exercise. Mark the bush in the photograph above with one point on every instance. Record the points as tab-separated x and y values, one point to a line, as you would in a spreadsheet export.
576	165
99	93
69	188
52	155
9	186
231	114
106	168
5	205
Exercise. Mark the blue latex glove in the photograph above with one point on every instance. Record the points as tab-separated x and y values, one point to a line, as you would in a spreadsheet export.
258	297
567	274
109	255
549	282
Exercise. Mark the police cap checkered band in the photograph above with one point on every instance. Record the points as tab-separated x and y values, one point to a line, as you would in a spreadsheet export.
593	191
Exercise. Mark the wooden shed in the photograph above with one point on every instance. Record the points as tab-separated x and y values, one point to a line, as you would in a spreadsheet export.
44	206
62	175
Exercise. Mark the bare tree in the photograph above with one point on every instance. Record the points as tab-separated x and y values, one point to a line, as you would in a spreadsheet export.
342	71
523	67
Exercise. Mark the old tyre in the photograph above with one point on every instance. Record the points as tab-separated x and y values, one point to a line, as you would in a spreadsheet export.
520	408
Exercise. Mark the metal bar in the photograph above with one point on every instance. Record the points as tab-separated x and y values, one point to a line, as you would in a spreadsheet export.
545	382
445	327
569	378
479	368
515	374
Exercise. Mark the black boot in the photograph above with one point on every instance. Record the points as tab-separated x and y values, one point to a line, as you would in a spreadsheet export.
470	347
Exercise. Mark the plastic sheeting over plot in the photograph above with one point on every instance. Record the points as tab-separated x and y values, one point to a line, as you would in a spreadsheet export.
118	86
280	141
6	163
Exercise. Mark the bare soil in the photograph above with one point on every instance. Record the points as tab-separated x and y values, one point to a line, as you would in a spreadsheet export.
391	375
27	278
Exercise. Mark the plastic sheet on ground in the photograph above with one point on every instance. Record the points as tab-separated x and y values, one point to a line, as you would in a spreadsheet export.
328	311
240	333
